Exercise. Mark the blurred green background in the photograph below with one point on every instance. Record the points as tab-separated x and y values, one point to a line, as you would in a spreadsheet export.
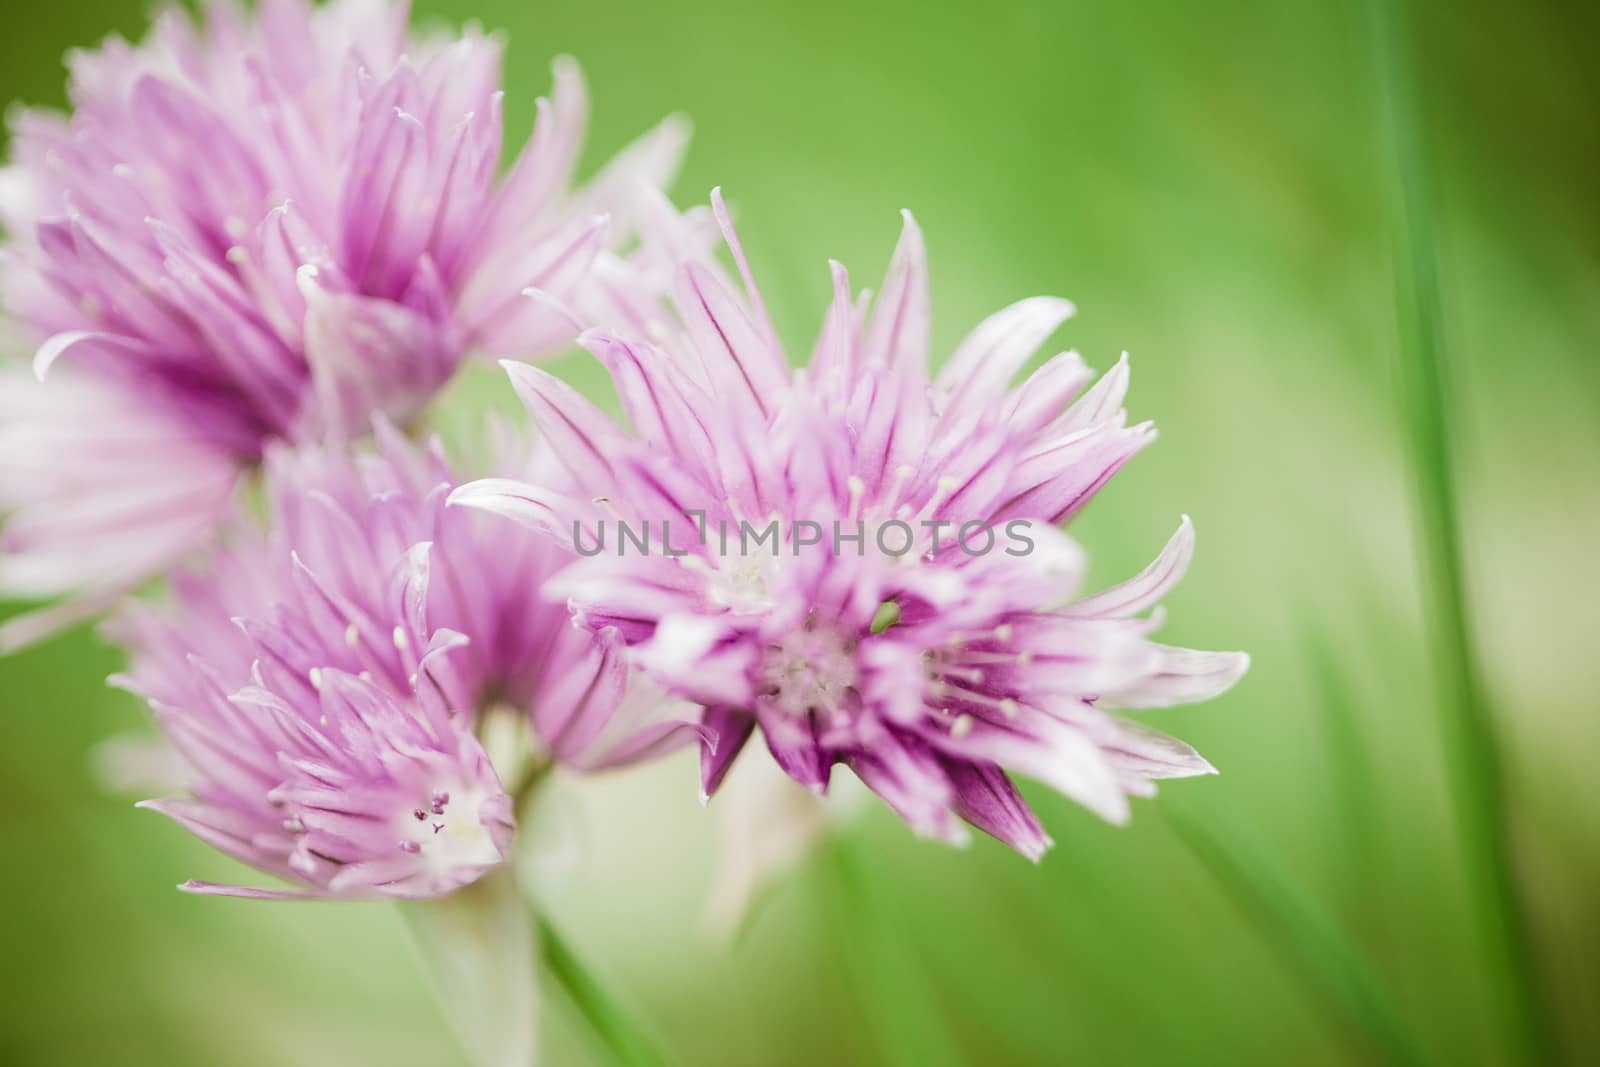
1207	183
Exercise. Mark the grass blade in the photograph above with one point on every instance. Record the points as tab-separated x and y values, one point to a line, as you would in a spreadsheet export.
622	1037
1472	754
1355	779
893	991
1310	943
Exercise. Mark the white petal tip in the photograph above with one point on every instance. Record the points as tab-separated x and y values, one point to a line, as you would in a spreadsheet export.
1036	852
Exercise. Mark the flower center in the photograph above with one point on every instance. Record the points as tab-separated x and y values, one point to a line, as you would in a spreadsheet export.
448	833
743	583
812	671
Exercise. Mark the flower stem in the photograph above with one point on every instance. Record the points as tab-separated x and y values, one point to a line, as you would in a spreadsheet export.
622	1037
1476	777
477	950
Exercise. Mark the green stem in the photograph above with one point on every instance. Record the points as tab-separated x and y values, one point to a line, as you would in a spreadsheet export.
622	1038
1307	941
1476	776
901	1009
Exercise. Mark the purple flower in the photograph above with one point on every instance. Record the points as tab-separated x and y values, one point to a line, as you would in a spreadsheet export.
876	624
328	681
269	226
100	490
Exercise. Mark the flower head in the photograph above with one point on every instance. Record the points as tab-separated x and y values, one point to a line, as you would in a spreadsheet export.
268	226
329	681
863	561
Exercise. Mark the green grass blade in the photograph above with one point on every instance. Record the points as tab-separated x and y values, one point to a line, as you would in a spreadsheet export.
1356	781
1309	942
1472	755
622	1037
895	998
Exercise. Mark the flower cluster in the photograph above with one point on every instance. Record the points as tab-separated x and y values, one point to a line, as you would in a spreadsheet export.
249	260
267	228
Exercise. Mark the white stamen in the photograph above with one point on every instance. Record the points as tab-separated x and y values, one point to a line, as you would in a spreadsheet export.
858	490
1005	705
942	491
901	474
